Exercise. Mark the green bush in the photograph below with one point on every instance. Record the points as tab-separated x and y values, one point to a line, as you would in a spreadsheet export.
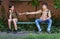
3	20
57	3
42	36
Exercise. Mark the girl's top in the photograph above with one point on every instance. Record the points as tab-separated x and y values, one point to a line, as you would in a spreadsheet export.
13	15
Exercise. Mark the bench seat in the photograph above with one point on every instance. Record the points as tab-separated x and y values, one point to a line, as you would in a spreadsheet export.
25	22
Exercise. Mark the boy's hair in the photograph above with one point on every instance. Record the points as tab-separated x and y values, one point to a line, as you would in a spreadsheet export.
45	4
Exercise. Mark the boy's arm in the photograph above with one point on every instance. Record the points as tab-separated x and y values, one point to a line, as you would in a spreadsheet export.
37	12
22	13
49	15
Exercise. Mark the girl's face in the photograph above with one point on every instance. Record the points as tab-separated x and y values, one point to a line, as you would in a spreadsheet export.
44	7
12	8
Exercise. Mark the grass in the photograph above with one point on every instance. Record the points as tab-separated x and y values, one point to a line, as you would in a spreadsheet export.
42	36
29	36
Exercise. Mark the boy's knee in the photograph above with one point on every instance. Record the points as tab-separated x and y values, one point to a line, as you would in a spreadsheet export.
36	20
50	20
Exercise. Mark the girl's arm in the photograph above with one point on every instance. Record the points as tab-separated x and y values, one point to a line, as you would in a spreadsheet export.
10	14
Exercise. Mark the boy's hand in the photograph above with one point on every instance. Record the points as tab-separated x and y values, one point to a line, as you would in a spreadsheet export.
27	12
21	13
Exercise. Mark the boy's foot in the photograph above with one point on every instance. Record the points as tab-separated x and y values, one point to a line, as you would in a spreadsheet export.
15	31
9	30
48	32
39	32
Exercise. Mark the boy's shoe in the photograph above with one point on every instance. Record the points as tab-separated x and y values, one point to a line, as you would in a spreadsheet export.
39	32
15	31
9	30
48	32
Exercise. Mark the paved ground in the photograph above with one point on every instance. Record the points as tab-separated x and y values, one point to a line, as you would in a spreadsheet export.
19	34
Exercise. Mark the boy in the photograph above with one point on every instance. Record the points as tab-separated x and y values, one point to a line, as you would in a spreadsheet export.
45	17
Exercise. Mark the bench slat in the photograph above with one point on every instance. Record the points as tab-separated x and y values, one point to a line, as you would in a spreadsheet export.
25	22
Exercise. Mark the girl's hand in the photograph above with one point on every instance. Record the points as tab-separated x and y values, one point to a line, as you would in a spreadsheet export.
10	17
10	11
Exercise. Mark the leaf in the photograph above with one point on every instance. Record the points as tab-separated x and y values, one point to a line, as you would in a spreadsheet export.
57	3
35	3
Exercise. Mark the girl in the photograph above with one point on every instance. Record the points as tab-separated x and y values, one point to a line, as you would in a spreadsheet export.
12	18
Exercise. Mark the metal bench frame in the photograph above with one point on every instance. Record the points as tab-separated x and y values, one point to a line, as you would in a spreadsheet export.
25	22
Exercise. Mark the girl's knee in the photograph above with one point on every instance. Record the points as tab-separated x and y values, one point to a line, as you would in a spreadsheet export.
9	20
14	20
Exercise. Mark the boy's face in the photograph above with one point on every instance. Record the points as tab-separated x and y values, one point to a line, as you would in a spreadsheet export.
44	7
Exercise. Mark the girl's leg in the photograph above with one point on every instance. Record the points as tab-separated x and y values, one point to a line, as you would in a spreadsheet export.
15	21
9	23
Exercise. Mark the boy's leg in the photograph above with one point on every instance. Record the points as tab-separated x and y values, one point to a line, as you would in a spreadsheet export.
38	25
49	21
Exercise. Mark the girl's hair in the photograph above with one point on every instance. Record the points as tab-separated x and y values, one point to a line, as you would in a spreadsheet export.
10	6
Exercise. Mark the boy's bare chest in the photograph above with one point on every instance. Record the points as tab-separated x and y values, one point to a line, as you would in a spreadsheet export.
44	13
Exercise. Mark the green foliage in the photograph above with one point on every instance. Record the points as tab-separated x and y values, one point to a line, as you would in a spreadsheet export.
3	12
55	25
3	21
57	3
35	3
42	36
